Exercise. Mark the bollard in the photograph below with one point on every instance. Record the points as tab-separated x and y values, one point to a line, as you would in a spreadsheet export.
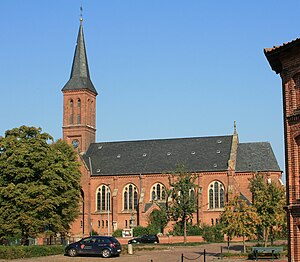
204	255
130	249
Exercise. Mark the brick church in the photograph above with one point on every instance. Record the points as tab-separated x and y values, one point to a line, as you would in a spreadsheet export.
123	182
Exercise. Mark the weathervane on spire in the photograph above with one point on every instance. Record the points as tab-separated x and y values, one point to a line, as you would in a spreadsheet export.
234	126
81	13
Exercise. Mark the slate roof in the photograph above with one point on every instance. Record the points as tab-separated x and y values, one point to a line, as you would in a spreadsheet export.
80	75
159	156
256	157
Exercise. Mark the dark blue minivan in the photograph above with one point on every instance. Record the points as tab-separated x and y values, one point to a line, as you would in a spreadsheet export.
105	246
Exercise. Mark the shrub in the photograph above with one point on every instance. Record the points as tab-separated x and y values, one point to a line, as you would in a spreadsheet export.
191	230
14	252
117	233
139	231
213	233
194	230
153	229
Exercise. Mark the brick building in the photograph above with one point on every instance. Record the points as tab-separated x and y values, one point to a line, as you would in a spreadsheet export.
123	182
285	60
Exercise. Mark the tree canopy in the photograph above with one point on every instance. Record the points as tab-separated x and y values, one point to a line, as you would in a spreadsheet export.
39	183
239	219
184	195
269	200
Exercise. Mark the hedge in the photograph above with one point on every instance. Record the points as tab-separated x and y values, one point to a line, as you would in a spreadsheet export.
14	252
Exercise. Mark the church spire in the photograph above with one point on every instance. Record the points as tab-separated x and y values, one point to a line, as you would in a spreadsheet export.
80	75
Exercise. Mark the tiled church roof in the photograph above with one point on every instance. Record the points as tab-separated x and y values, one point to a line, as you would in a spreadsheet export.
256	157
273	54
159	156
164	155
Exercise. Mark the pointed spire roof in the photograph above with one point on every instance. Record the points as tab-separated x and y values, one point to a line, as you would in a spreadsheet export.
80	75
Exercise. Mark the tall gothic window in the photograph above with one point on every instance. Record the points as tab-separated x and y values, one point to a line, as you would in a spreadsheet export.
103	198
71	119
216	195
78	119
158	192
71	103
78	103
130	197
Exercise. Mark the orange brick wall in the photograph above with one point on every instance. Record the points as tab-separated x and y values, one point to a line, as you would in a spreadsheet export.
287	60
85	132
146	181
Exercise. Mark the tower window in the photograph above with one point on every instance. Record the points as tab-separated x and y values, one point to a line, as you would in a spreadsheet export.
71	119
78	103
71	103
78	119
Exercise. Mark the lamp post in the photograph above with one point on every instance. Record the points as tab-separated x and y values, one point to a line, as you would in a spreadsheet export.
108	210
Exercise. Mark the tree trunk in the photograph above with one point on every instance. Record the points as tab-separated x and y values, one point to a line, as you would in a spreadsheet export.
266	233
184	230
228	243
272	236
244	245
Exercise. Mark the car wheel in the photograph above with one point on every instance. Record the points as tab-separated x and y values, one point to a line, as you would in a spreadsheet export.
72	252
106	253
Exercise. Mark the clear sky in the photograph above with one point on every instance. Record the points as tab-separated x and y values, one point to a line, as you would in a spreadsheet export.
162	68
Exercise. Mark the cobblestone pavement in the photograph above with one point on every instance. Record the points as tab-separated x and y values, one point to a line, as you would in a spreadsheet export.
167	254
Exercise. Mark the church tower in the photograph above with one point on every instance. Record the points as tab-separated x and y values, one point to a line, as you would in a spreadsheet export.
79	109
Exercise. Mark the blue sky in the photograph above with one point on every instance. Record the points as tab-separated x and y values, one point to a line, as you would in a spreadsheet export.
162	68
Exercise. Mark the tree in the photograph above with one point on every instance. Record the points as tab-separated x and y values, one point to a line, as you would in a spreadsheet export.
239	219
183	195
39	184
269	200
158	220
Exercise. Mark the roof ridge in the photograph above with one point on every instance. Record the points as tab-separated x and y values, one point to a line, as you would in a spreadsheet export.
161	139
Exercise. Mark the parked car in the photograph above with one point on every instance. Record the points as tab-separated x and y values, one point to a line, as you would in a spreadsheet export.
95	245
144	239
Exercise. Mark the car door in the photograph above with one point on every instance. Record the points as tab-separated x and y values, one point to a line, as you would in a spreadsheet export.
101	244
87	246
145	239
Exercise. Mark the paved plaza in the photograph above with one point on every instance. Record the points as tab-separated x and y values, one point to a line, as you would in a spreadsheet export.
167	254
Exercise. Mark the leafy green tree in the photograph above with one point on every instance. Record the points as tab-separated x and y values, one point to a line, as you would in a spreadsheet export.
269	200
39	184
183	194
158	220
239	219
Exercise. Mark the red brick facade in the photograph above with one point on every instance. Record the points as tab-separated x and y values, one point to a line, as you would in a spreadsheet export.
79	120
124	198
285	60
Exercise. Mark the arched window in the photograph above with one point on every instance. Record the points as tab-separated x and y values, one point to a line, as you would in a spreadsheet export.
192	195
78	119
78	103
158	192
71	119
103	198
130	197
71	103
216	195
